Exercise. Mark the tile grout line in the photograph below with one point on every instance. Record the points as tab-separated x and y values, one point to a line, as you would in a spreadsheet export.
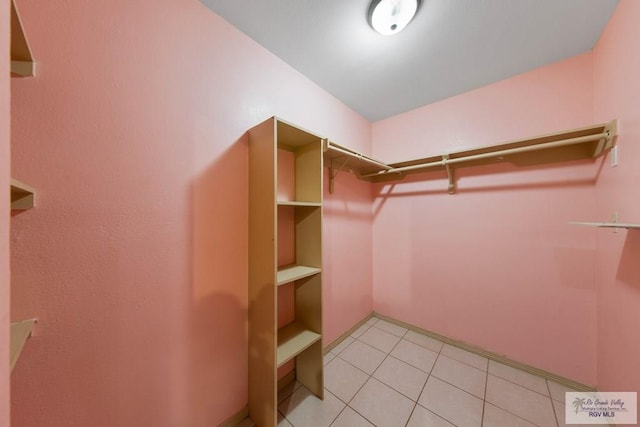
497	405
425	384
484	398
370	376
553	407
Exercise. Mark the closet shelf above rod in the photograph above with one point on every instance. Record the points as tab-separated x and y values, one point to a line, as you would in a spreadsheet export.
575	144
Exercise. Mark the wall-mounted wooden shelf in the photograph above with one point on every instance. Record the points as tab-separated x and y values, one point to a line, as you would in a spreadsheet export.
20	332
293	339
22	196
291	273
22	63
608	225
575	144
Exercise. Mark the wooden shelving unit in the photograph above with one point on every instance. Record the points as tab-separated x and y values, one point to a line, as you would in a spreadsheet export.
20	332
583	143
22	63
301	218
22	196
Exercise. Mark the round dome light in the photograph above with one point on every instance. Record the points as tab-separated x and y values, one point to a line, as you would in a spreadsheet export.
391	16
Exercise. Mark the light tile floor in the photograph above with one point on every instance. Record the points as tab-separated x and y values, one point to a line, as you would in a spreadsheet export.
384	375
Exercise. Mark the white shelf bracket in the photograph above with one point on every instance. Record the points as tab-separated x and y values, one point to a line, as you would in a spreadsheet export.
447	166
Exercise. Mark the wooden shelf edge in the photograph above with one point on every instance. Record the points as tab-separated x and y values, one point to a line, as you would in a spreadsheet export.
23	69
20	332
628	226
291	273
293	339
22	196
302	204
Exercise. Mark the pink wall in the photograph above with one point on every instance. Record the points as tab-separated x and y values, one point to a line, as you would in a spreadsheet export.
496	264
135	260
617	94
4	212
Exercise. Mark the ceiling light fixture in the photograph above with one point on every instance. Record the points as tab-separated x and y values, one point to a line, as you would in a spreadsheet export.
391	16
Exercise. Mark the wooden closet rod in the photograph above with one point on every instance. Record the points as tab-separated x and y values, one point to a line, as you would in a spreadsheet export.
448	161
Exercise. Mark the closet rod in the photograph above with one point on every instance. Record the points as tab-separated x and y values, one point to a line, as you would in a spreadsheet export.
605	135
358	156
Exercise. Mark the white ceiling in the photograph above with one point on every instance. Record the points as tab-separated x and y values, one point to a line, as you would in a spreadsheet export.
451	46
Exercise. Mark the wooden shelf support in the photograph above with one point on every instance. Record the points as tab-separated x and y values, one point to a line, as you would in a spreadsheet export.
447	167
22	63
20	332
23	197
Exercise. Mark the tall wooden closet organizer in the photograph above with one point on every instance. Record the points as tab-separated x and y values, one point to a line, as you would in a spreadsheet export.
285	255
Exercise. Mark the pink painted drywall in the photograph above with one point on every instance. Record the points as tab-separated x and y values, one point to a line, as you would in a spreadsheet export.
496	264
616	60
135	259
4	212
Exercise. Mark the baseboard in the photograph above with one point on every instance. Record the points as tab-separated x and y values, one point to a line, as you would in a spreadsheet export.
342	337
492	356
236	418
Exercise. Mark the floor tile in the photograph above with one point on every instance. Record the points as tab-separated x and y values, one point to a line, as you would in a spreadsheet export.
372	320
519	377
414	355
379	339
465	357
558	390
451	403
327	358
382	405
463	376
282	421
350	418
401	377
363	356
496	417
422	417
361	330
287	391
424	341
520	401
392	328
305	409
559	407
343	379
344	344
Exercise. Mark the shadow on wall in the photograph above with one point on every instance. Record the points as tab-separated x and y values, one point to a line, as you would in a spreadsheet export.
435	182
217	336
628	271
